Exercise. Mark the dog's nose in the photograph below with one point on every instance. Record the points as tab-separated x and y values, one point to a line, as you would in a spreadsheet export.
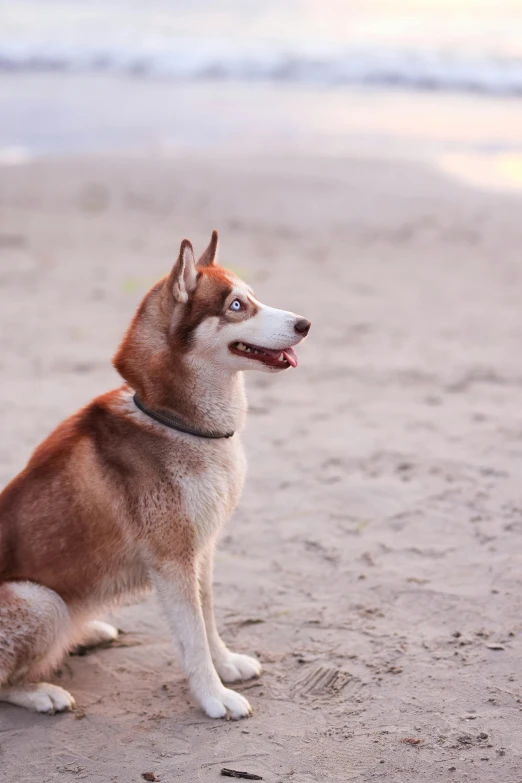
302	326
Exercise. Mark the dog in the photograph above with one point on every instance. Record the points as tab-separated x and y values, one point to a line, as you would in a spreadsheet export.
131	491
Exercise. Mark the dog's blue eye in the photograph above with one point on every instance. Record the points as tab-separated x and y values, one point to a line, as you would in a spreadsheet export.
236	305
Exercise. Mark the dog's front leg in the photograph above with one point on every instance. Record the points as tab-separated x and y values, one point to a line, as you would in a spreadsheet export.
230	666
178	589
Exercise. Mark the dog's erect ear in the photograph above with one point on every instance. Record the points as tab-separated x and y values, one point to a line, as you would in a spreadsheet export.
209	256
183	277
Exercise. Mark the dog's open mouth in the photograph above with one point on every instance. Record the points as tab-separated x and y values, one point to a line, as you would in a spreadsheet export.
273	357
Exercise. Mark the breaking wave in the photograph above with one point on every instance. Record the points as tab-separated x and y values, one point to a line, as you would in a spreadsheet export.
219	60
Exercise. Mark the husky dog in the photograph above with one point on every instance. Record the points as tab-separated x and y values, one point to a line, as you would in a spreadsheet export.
132	490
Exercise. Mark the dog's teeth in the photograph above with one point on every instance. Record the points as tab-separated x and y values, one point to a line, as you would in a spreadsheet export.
242	347
281	357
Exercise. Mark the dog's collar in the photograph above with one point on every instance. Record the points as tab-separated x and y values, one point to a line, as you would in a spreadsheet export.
178	424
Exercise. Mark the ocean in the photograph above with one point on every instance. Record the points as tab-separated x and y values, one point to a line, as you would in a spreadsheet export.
463	45
313	52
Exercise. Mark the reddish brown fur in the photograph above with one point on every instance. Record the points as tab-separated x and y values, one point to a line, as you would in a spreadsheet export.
58	519
152	343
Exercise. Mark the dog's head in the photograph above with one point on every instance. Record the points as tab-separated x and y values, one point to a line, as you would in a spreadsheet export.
202	311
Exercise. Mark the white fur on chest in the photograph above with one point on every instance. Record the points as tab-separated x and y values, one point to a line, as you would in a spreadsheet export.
210	492
206	476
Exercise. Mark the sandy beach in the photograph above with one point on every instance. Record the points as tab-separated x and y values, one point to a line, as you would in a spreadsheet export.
377	542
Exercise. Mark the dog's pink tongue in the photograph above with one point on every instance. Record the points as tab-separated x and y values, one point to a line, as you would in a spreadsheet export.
291	356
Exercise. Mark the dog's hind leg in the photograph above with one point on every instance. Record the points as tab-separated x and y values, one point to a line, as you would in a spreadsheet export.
35	629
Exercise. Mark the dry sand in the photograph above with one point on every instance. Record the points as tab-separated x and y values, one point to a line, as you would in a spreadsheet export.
375	560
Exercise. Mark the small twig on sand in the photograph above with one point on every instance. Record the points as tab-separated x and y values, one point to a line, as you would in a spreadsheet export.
233	773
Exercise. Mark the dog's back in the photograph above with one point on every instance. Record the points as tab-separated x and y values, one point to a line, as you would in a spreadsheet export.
60	517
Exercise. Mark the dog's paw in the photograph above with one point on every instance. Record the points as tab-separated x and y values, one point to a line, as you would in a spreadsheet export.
225	704
97	632
51	698
39	697
237	667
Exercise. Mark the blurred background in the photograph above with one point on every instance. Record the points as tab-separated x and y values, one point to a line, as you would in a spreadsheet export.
362	162
438	76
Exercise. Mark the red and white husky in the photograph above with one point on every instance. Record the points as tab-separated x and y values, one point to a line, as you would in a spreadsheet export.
132	490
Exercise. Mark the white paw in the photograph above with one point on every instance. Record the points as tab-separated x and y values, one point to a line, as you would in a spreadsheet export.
97	632
226	704
46	698
238	667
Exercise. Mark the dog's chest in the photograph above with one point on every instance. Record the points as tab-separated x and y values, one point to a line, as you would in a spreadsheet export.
210	484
